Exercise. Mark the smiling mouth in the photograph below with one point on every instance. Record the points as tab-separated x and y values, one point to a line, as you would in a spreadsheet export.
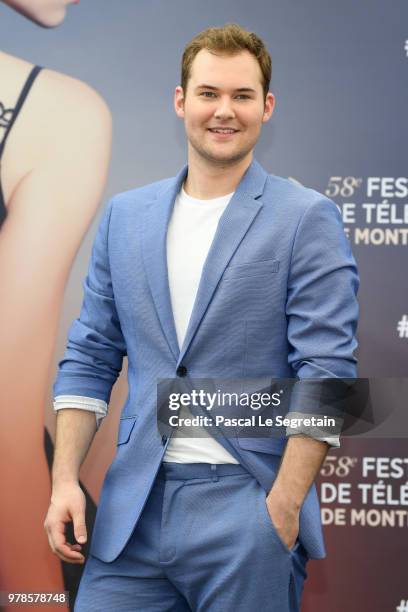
223	130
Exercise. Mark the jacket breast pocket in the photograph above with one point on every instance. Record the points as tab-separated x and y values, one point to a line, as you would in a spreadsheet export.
126	425
253	268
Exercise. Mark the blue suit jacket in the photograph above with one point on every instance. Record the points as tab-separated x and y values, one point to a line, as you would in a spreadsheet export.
277	298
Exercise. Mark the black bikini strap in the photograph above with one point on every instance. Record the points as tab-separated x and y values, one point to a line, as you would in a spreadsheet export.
21	99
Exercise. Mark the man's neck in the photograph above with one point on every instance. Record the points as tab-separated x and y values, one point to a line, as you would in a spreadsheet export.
206	181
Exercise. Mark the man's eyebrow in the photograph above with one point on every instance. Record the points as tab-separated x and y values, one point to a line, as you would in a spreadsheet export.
204	86
239	89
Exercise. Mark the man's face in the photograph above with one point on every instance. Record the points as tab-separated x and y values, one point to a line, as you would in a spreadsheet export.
224	106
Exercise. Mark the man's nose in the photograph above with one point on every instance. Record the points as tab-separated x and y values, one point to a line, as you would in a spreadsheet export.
224	109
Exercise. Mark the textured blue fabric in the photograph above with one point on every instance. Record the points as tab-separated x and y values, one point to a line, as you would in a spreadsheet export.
204	543
277	298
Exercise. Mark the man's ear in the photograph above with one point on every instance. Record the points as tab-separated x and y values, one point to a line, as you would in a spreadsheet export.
269	106
179	101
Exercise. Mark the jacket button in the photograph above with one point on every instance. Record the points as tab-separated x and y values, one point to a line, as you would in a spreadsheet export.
181	370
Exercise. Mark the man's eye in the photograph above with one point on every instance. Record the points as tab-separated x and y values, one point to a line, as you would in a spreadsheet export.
207	94
243	97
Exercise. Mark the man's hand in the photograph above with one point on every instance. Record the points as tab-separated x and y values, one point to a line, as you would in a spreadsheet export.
299	467
67	505
284	516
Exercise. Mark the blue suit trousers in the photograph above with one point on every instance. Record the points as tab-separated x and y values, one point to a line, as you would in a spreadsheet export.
204	543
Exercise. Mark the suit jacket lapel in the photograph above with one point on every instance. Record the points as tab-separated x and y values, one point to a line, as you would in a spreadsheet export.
157	216
233	225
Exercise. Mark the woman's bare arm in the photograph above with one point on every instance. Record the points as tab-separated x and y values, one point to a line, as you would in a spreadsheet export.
54	170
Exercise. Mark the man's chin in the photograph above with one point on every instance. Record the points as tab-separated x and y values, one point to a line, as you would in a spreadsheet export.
224	158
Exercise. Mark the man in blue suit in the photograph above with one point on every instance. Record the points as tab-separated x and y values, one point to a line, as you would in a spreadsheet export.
222	272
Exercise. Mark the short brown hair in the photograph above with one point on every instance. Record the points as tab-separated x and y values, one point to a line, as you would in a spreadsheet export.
229	40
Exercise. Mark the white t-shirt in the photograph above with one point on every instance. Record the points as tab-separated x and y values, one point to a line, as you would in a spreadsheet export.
191	230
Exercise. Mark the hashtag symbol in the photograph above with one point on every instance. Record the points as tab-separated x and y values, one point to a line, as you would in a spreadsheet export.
402	329
403	607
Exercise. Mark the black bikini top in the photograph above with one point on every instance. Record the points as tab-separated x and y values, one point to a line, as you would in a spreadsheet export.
8	117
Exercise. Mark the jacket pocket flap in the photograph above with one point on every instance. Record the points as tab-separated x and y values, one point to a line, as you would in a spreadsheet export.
255	268
126	425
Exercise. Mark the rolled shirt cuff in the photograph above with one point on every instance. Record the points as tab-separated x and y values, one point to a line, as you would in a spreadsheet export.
98	406
331	435
333	441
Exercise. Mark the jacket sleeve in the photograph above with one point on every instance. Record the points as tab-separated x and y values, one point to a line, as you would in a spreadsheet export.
95	348
322	312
